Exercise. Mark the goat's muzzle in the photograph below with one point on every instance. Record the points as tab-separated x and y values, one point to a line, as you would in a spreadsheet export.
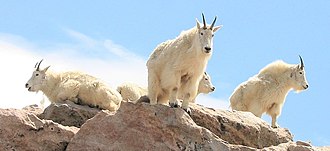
213	88
28	87
207	49
306	86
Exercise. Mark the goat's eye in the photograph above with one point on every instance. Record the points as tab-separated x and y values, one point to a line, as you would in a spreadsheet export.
37	74
202	34
206	79
300	72
212	35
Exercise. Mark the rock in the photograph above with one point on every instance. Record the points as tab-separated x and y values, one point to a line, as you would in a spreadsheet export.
325	148
141	127
23	130
34	109
69	114
291	146
302	143
146	127
240	128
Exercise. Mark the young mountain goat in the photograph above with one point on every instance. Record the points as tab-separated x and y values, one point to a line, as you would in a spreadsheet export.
73	86
181	59
266	91
132	92
204	86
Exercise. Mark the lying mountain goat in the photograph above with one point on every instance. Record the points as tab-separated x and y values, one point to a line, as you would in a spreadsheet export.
266	91
183	58
132	92
73	86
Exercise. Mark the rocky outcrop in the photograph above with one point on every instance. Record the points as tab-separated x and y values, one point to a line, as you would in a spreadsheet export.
292	146
23	130
145	127
68	114
240	128
140	127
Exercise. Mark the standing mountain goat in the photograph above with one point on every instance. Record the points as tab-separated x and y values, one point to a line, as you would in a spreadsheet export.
180	62
73	86
132	92
266	91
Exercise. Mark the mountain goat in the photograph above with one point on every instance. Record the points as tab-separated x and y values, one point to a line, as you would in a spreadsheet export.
266	91
181	59
73	86
132	92
204	86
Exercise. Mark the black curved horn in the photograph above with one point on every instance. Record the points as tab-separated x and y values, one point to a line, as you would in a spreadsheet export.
204	22
39	64
301	63
215	18
35	66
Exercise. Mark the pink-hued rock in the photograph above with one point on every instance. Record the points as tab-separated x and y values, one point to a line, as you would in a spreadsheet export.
292	146
141	126
145	127
69	114
23	130
240	128
34	109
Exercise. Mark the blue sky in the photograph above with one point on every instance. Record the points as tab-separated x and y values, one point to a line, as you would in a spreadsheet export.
113	39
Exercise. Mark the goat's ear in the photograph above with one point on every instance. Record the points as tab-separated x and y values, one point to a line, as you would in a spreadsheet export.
291	74
198	24
294	70
45	70
216	28
298	67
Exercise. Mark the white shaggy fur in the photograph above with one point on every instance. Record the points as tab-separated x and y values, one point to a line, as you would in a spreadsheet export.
132	92
183	58
204	86
74	86
266	91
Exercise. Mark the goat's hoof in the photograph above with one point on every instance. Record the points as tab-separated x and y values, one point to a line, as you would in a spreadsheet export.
275	126
174	105
78	101
187	110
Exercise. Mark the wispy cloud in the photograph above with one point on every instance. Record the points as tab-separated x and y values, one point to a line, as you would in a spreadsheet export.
81	38
16	65
212	102
103	58
18	57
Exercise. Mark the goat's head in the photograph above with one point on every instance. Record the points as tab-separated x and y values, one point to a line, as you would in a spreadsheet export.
205	84
38	76
298	77
206	33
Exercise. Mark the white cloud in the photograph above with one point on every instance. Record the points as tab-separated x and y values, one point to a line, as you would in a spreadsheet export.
18	57
83	39
212	102
16	65
101	58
